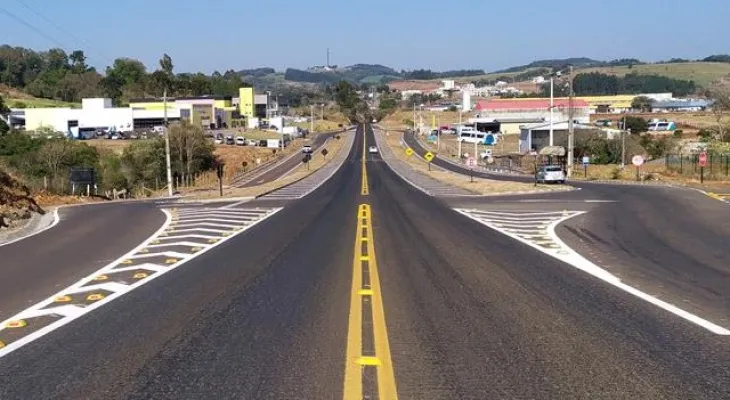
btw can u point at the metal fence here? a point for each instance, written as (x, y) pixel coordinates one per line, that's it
(718, 165)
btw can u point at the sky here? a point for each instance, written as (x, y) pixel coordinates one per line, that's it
(403, 34)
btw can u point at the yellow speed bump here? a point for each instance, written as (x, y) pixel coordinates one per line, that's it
(196, 249)
(95, 297)
(409, 151)
(62, 299)
(171, 261)
(213, 240)
(18, 323)
(145, 250)
(2, 344)
(155, 242)
(140, 275)
(365, 292)
(127, 262)
(101, 278)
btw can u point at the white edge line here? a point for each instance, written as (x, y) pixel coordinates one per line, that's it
(56, 220)
(65, 320)
(578, 261)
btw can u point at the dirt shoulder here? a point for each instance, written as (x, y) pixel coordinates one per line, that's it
(476, 184)
(333, 146)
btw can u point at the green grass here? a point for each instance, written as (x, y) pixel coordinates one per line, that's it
(260, 135)
(37, 103)
(702, 73)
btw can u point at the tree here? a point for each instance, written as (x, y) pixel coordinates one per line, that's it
(636, 124)
(720, 108)
(190, 149)
(4, 111)
(642, 103)
(78, 62)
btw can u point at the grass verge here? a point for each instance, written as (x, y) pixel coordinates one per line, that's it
(479, 185)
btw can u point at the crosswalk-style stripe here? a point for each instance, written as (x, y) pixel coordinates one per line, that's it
(165, 250)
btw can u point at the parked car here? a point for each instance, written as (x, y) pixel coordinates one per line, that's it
(240, 141)
(218, 139)
(251, 142)
(550, 173)
(229, 140)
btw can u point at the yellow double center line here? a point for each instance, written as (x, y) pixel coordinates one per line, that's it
(364, 356)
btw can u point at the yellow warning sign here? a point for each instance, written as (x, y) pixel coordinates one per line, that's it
(428, 156)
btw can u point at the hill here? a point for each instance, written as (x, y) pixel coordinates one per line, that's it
(16, 204)
(703, 72)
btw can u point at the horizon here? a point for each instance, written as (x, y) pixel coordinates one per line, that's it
(300, 37)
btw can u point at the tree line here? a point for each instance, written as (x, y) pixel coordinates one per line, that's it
(44, 163)
(55, 74)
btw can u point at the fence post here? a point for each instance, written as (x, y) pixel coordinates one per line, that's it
(681, 158)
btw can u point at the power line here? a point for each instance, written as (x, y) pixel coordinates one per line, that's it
(60, 28)
(33, 28)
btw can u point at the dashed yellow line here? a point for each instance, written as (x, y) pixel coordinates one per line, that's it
(355, 359)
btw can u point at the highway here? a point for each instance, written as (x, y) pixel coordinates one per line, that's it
(368, 288)
(280, 169)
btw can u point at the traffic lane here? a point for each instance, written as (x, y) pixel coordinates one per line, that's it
(673, 245)
(86, 238)
(473, 314)
(262, 316)
(290, 163)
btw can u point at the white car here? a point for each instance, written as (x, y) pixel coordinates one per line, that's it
(372, 150)
(550, 173)
(240, 141)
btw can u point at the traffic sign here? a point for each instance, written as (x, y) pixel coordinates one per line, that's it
(703, 159)
(586, 160)
(409, 151)
(637, 160)
(428, 156)
(471, 162)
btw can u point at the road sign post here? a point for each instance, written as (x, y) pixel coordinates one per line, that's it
(429, 157)
(702, 161)
(219, 172)
(637, 160)
(472, 163)
(586, 160)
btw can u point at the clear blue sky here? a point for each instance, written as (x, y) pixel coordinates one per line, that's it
(404, 34)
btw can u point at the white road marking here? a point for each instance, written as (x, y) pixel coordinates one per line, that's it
(56, 220)
(108, 290)
(558, 249)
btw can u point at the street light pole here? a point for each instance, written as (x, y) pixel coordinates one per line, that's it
(552, 105)
(167, 145)
(311, 119)
(571, 127)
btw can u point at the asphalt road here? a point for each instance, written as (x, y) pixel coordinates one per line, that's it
(287, 165)
(669, 240)
(85, 239)
(470, 314)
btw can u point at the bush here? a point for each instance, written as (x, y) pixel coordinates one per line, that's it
(678, 133)
(615, 173)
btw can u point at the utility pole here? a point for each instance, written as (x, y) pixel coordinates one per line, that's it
(311, 119)
(571, 128)
(623, 144)
(167, 145)
(414, 117)
(552, 105)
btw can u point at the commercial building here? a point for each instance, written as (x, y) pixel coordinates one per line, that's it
(98, 113)
(509, 115)
(95, 113)
(534, 137)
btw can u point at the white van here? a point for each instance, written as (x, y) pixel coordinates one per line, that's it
(471, 136)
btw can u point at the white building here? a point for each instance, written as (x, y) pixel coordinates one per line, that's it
(95, 113)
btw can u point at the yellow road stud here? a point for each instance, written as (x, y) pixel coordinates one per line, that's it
(95, 297)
